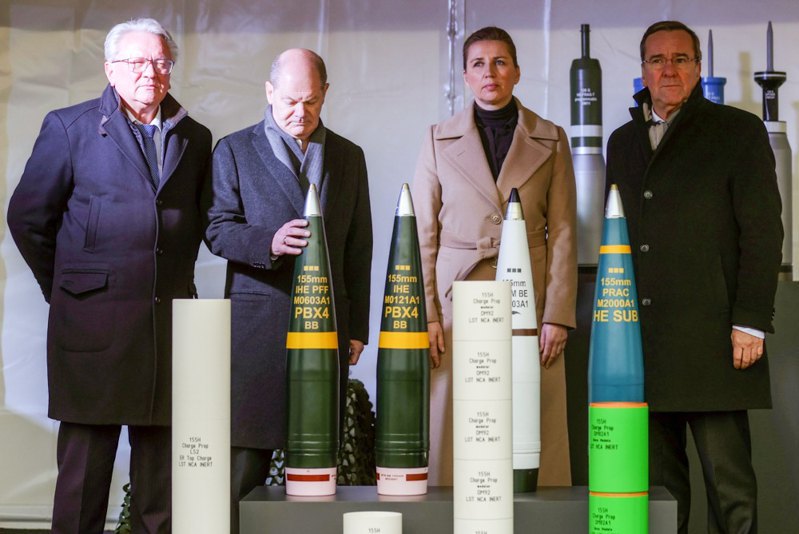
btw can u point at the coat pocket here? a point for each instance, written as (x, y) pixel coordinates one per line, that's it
(83, 313)
(77, 282)
(92, 223)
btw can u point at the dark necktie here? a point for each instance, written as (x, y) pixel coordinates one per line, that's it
(150, 152)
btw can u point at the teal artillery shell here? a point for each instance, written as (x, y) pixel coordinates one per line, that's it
(615, 356)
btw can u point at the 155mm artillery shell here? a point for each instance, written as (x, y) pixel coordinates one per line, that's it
(403, 370)
(313, 367)
(513, 265)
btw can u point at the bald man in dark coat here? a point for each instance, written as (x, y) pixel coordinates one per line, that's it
(260, 179)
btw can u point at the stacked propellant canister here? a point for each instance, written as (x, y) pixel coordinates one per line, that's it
(586, 142)
(770, 80)
(712, 86)
(402, 437)
(513, 265)
(618, 455)
(482, 411)
(313, 367)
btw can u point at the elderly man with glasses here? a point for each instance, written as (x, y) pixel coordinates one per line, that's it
(700, 194)
(107, 215)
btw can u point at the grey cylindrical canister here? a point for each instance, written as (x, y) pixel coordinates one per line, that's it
(586, 142)
(782, 154)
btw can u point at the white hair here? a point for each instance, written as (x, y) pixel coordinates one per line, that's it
(137, 25)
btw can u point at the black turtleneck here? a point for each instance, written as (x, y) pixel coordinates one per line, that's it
(496, 128)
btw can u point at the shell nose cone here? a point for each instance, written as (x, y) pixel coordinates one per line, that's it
(614, 208)
(312, 208)
(405, 203)
(514, 211)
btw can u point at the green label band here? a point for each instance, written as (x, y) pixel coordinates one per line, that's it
(625, 514)
(618, 447)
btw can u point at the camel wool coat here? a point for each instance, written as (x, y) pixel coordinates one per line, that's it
(459, 211)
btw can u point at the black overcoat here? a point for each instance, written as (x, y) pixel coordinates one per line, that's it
(703, 213)
(110, 253)
(254, 194)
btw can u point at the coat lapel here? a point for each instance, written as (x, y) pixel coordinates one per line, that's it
(331, 184)
(467, 156)
(116, 127)
(274, 167)
(174, 142)
(527, 153)
(174, 151)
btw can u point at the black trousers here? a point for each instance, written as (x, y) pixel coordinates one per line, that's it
(723, 443)
(85, 457)
(248, 470)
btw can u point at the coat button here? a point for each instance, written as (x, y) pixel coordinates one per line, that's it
(496, 219)
(648, 194)
(158, 300)
(644, 248)
(159, 251)
(646, 302)
(159, 202)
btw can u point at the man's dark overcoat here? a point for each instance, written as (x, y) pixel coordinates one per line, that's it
(110, 252)
(254, 194)
(703, 211)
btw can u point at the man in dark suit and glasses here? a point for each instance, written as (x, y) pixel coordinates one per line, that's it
(107, 215)
(260, 178)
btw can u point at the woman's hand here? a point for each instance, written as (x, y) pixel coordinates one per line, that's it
(552, 342)
(437, 348)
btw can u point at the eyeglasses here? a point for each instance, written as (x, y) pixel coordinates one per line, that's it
(679, 62)
(139, 64)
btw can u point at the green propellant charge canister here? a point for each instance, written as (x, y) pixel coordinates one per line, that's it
(312, 367)
(618, 447)
(620, 513)
(403, 370)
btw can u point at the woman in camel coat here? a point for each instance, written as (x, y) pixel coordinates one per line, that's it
(466, 170)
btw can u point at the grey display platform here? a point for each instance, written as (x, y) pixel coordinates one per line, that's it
(267, 510)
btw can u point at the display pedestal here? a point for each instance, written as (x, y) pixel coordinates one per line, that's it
(562, 510)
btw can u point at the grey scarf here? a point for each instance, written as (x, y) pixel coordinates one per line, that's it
(308, 168)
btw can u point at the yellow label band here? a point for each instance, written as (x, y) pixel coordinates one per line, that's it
(614, 249)
(312, 340)
(404, 340)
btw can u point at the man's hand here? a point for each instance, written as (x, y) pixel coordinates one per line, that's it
(746, 349)
(552, 342)
(290, 238)
(437, 347)
(356, 348)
